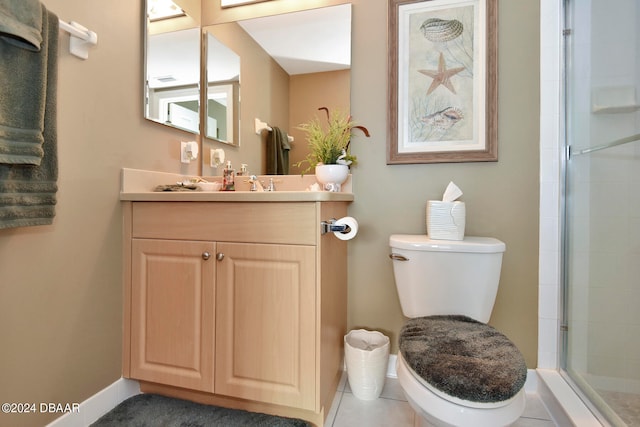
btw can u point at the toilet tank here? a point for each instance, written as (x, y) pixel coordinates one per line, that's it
(446, 276)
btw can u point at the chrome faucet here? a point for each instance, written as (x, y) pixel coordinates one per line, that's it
(271, 186)
(255, 184)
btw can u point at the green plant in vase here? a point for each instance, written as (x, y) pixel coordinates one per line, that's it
(329, 143)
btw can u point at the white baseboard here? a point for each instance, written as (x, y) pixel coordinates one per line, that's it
(531, 384)
(391, 367)
(99, 404)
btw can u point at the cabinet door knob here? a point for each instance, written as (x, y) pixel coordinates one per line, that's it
(206, 255)
(220, 256)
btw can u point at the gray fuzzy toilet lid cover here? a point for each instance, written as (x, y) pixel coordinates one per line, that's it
(463, 358)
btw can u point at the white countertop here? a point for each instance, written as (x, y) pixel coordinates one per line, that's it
(237, 196)
(139, 185)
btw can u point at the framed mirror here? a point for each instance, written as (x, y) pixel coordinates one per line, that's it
(172, 64)
(222, 92)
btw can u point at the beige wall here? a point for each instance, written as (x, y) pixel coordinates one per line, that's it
(60, 285)
(501, 198)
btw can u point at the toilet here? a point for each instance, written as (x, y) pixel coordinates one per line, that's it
(454, 369)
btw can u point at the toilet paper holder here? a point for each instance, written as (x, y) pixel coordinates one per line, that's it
(331, 227)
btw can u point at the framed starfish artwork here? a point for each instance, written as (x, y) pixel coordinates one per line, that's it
(443, 91)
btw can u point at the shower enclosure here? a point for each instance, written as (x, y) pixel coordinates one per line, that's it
(601, 265)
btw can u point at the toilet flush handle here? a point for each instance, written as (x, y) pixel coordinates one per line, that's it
(397, 257)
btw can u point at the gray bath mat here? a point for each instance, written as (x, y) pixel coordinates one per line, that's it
(463, 358)
(151, 410)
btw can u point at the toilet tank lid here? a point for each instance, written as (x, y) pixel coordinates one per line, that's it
(422, 242)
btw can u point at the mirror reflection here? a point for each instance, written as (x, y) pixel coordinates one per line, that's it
(172, 66)
(291, 64)
(284, 66)
(223, 92)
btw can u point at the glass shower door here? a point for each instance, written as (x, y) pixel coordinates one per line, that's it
(601, 349)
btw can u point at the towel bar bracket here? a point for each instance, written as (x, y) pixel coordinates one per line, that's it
(80, 38)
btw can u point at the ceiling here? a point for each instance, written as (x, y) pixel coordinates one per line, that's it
(308, 41)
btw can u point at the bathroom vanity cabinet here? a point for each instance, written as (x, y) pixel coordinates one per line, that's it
(238, 304)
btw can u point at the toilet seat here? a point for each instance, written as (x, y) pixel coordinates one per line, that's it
(441, 411)
(453, 399)
(463, 360)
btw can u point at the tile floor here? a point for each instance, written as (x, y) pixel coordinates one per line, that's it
(392, 409)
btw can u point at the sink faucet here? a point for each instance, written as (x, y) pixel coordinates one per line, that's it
(255, 184)
(271, 186)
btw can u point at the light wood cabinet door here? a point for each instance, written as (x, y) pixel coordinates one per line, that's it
(266, 323)
(173, 312)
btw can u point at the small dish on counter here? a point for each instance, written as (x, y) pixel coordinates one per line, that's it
(209, 186)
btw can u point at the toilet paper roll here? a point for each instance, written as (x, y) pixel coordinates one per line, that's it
(353, 225)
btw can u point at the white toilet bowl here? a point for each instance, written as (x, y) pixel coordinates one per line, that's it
(447, 289)
(446, 410)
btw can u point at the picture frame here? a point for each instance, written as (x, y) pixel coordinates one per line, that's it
(443, 91)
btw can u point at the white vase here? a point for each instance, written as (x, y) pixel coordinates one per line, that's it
(332, 176)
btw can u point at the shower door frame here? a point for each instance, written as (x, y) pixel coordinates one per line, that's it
(580, 386)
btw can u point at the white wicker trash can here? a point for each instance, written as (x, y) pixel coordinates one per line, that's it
(366, 357)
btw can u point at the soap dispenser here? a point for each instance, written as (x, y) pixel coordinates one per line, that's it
(228, 178)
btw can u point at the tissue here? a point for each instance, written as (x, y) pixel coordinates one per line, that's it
(451, 193)
(353, 228)
(446, 219)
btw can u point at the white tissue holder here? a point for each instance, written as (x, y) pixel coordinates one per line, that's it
(445, 220)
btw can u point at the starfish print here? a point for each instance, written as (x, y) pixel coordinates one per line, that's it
(441, 76)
